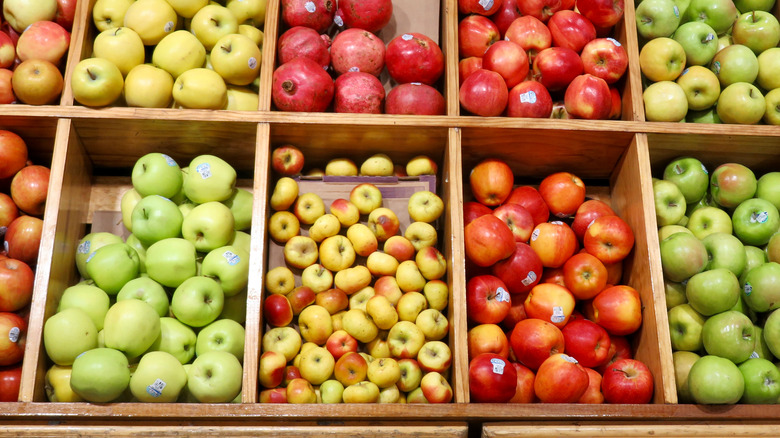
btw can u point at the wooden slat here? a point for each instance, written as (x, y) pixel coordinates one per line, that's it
(497, 430)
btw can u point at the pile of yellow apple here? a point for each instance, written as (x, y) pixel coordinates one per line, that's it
(365, 322)
(163, 53)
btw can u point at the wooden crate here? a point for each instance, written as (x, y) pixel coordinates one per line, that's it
(621, 429)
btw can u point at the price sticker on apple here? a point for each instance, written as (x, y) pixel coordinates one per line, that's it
(156, 388)
(557, 315)
(614, 41)
(535, 234)
(171, 162)
(748, 289)
(759, 218)
(498, 366)
(231, 257)
(529, 279)
(569, 359)
(84, 247)
(528, 97)
(204, 170)
(13, 334)
(502, 295)
(169, 26)
(310, 7)
(486, 4)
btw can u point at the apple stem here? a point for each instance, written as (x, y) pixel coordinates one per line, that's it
(91, 75)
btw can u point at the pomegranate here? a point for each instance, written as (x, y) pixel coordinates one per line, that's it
(301, 85)
(358, 92)
(316, 14)
(415, 99)
(357, 50)
(305, 42)
(484, 93)
(371, 15)
(413, 57)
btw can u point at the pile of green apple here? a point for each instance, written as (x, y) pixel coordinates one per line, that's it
(354, 312)
(720, 248)
(710, 61)
(158, 316)
(188, 54)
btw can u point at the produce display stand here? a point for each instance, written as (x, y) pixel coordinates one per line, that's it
(91, 152)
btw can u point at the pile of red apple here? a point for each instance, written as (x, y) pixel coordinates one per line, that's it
(355, 313)
(34, 39)
(540, 58)
(719, 238)
(324, 41)
(23, 190)
(548, 321)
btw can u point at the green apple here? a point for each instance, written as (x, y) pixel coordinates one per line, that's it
(187, 8)
(709, 115)
(120, 45)
(699, 41)
(691, 177)
(215, 377)
(674, 294)
(235, 307)
(140, 249)
(668, 230)
(67, 334)
(742, 103)
(152, 19)
(229, 265)
(209, 226)
(772, 332)
(178, 52)
(754, 257)
(209, 178)
(88, 245)
(708, 220)
(683, 361)
(665, 101)
(89, 298)
(755, 221)
(685, 327)
(758, 30)
(754, 5)
(171, 261)
(725, 251)
(176, 338)
(147, 86)
(130, 198)
(100, 375)
(211, 23)
(157, 174)
(148, 290)
(682, 256)
(662, 59)
(669, 202)
(762, 287)
(200, 88)
(221, 335)
(657, 18)
(96, 82)
(113, 265)
(242, 240)
(197, 301)
(772, 112)
(713, 291)
(735, 63)
(719, 14)
(131, 326)
(159, 378)
(762, 381)
(240, 203)
(701, 87)
(768, 187)
(743, 308)
(236, 58)
(762, 349)
(729, 335)
(715, 380)
(768, 65)
(155, 218)
(331, 391)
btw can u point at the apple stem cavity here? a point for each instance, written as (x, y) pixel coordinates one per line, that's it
(91, 75)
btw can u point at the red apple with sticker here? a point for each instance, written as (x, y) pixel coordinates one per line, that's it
(521, 271)
(480, 7)
(554, 242)
(487, 299)
(529, 99)
(492, 379)
(560, 379)
(587, 342)
(13, 338)
(563, 192)
(530, 198)
(605, 58)
(550, 302)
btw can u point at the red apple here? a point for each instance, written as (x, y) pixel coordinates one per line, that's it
(300, 297)
(518, 219)
(473, 210)
(340, 342)
(492, 379)
(504, 17)
(480, 7)
(7, 51)
(529, 197)
(571, 30)
(609, 238)
(521, 271)
(273, 395)
(532, 35)
(587, 342)
(291, 372)
(556, 67)
(484, 93)
(487, 338)
(550, 302)
(10, 381)
(491, 181)
(13, 154)
(586, 213)
(487, 299)
(13, 334)
(529, 99)
(45, 40)
(588, 97)
(467, 66)
(584, 275)
(277, 310)
(560, 379)
(627, 381)
(8, 210)
(554, 242)
(602, 13)
(287, 160)
(475, 34)
(415, 99)
(534, 340)
(23, 239)
(593, 394)
(16, 285)
(540, 9)
(414, 57)
(6, 87)
(487, 240)
(524, 393)
(563, 192)
(516, 313)
(507, 59)
(66, 12)
(554, 276)
(619, 348)
(29, 188)
(617, 308)
(617, 104)
(605, 58)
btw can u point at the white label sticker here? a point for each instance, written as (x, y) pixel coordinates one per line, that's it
(232, 258)
(407, 36)
(156, 388)
(614, 41)
(556, 223)
(486, 4)
(709, 37)
(754, 355)
(5, 246)
(204, 170)
(704, 169)
(88, 258)
(171, 162)
(528, 97)
(338, 20)
(416, 83)
(252, 62)
(13, 334)
(557, 315)
(535, 234)
(569, 359)
(716, 67)
(354, 69)
(169, 26)
(760, 217)
(498, 366)
(84, 247)
(591, 223)
(748, 289)
(529, 279)
(310, 7)
(502, 295)
(676, 11)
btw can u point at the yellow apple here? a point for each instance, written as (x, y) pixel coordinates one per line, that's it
(284, 194)
(253, 33)
(241, 99)
(37, 82)
(341, 167)
(283, 225)
(315, 324)
(96, 82)
(352, 279)
(308, 207)
(147, 86)
(178, 52)
(300, 252)
(236, 58)
(279, 280)
(359, 299)
(409, 277)
(317, 277)
(187, 8)
(382, 311)
(359, 325)
(107, 14)
(336, 253)
(377, 165)
(200, 88)
(410, 305)
(421, 234)
(345, 211)
(363, 240)
(325, 226)
(380, 263)
(248, 11)
(211, 23)
(120, 45)
(437, 293)
(151, 19)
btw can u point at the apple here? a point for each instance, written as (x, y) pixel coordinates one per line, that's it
(100, 375)
(554, 242)
(73, 323)
(197, 301)
(720, 15)
(10, 383)
(16, 285)
(682, 256)
(685, 327)
(492, 379)
(563, 192)
(730, 335)
(488, 240)
(627, 381)
(215, 377)
(690, 176)
(487, 299)
(534, 340)
(584, 275)
(560, 379)
(178, 52)
(151, 19)
(529, 197)
(366, 197)
(521, 271)
(767, 62)
(200, 88)
(762, 381)
(147, 290)
(726, 251)
(657, 18)
(131, 326)
(609, 238)
(44, 40)
(96, 82)
(586, 213)
(732, 183)
(509, 60)
(159, 377)
(735, 63)
(37, 82)
(13, 151)
(484, 93)
(171, 261)
(571, 30)
(491, 181)
(758, 287)
(709, 220)
(683, 361)
(715, 380)
(529, 99)
(603, 14)
(605, 58)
